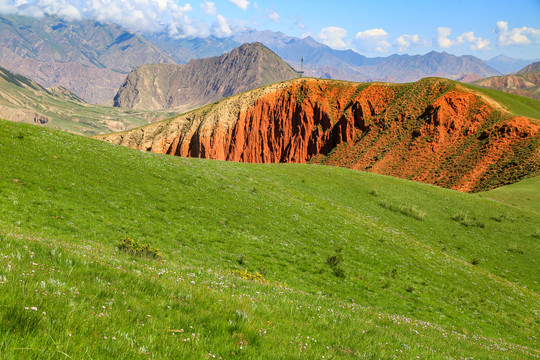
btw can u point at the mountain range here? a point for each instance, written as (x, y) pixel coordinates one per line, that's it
(322, 61)
(92, 59)
(89, 58)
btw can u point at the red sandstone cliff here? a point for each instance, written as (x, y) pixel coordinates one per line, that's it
(432, 131)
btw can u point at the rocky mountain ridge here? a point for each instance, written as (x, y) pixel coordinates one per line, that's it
(434, 131)
(202, 81)
(530, 68)
(89, 58)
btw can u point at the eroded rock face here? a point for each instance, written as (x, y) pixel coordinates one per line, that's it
(23, 115)
(431, 131)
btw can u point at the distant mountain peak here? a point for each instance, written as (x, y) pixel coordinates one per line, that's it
(502, 57)
(202, 81)
(506, 64)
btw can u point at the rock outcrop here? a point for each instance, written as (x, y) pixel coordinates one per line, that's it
(22, 115)
(202, 81)
(434, 131)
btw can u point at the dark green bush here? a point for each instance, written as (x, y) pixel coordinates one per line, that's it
(134, 247)
(334, 260)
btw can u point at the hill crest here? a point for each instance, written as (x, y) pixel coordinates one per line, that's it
(530, 68)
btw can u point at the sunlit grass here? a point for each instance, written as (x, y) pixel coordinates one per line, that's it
(245, 270)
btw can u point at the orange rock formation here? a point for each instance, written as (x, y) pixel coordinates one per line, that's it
(432, 131)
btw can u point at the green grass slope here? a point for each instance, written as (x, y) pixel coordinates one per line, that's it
(259, 261)
(18, 92)
(524, 194)
(518, 105)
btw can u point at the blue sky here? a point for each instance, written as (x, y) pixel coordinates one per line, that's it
(373, 28)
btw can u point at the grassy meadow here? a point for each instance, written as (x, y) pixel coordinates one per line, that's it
(259, 261)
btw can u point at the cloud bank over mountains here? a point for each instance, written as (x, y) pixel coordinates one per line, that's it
(137, 15)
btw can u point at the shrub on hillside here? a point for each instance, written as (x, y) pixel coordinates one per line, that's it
(468, 220)
(334, 260)
(134, 247)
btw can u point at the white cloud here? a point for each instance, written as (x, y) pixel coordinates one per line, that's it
(61, 8)
(372, 34)
(373, 40)
(6, 8)
(242, 4)
(187, 29)
(209, 8)
(333, 37)
(221, 28)
(272, 15)
(516, 36)
(476, 43)
(29, 10)
(442, 37)
(135, 15)
(405, 41)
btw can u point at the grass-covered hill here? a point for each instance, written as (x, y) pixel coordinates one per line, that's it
(524, 194)
(23, 100)
(259, 261)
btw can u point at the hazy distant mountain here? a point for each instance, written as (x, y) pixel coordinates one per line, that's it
(184, 50)
(202, 81)
(87, 57)
(507, 64)
(407, 68)
(323, 61)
